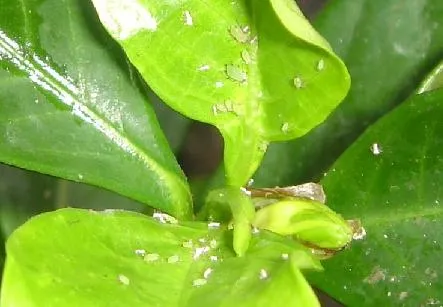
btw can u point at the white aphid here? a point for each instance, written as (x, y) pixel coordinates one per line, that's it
(235, 73)
(263, 274)
(173, 259)
(151, 257)
(207, 272)
(188, 18)
(123, 279)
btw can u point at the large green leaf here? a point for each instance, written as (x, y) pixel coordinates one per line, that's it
(388, 48)
(255, 69)
(75, 257)
(70, 106)
(391, 178)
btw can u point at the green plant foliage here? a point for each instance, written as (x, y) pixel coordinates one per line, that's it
(391, 178)
(255, 69)
(128, 259)
(388, 49)
(70, 106)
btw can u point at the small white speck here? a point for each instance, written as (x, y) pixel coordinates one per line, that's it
(285, 127)
(245, 191)
(123, 279)
(207, 272)
(359, 235)
(213, 258)
(204, 67)
(200, 251)
(376, 149)
(298, 83)
(199, 282)
(80, 176)
(173, 259)
(263, 274)
(255, 230)
(140, 252)
(250, 182)
(213, 225)
(320, 65)
(151, 257)
(36, 100)
(164, 218)
(285, 256)
(188, 18)
(219, 84)
(389, 293)
(385, 236)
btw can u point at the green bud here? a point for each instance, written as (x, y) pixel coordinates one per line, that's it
(309, 221)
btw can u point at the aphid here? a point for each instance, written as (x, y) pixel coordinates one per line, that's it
(285, 127)
(187, 18)
(235, 73)
(123, 279)
(263, 274)
(173, 259)
(207, 272)
(151, 257)
(226, 106)
(320, 65)
(239, 34)
(246, 57)
(298, 82)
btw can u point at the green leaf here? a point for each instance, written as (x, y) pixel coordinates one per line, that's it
(70, 106)
(391, 179)
(388, 50)
(121, 258)
(255, 69)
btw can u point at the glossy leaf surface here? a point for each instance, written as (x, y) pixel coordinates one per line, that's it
(391, 178)
(70, 106)
(255, 69)
(127, 259)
